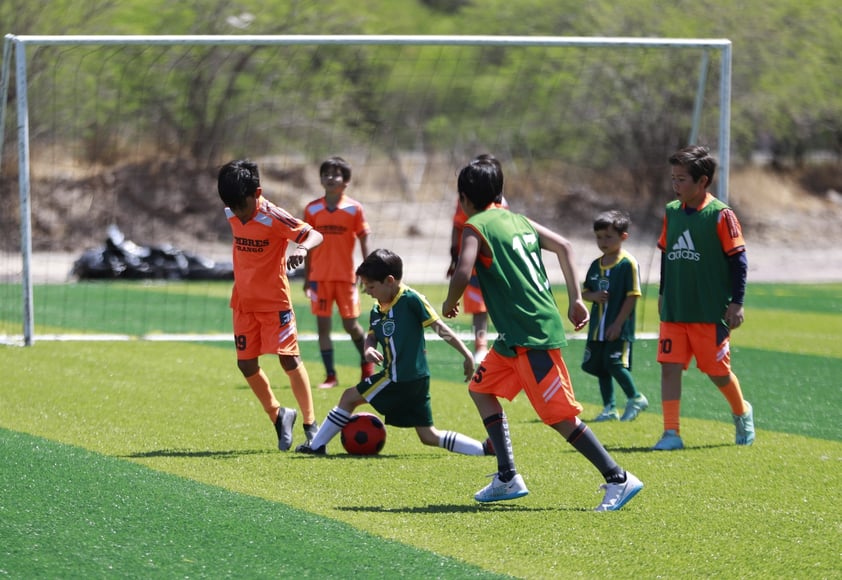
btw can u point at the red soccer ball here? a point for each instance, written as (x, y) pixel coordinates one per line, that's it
(365, 434)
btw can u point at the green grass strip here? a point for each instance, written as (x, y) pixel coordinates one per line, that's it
(70, 513)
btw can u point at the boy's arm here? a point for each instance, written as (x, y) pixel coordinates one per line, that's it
(370, 349)
(364, 245)
(462, 273)
(298, 255)
(447, 334)
(616, 327)
(455, 234)
(577, 311)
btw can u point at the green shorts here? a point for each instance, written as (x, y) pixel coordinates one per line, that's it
(601, 356)
(402, 404)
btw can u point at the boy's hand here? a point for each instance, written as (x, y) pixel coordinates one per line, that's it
(578, 314)
(296, 258)
(734, 315)
(468, 367)
(450, 310)
(373, 355)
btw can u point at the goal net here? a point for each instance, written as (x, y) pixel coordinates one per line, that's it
(116, 141)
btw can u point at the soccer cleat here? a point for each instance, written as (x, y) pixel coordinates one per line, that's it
(488, 447)
(330, 382)
(618, 494)
(283, 426)
(608, 414)
(306, 449)
(745, 426)
(479, 355)
(634, 407)
(310, 431)
(670, 441)
(366, 370)
(501, 490)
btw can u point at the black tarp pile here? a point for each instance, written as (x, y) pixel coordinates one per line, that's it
(123, 259)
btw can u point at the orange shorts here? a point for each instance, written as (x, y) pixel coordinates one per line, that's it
(542, 374)
(473, 302)
(257, 333)
(344, 294)
(678, 342)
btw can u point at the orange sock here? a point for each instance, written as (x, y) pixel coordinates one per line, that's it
(260, 386)
(734, 395)
(672, 410)
(299, 382)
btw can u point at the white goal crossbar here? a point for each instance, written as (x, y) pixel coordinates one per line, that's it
(18, 44)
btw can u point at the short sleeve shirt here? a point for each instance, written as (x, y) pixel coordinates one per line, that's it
(259, 257)
(399, 330)
(333, 259)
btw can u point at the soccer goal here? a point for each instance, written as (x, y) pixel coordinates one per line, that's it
(117, 139)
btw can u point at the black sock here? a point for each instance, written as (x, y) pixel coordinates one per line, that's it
(615, 476)
(498, 431)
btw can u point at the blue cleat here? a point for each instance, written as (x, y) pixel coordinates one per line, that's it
(502, 490)
(745, 426)
(618, 494)
(670, 441)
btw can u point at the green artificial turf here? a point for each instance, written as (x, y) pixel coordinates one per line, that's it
(153, 459)
(73, 513)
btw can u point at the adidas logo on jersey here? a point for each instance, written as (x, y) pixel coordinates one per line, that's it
(684, 249)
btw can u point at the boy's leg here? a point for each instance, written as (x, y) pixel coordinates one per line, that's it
(323, 326)
(594, 363)
(348, 303)
(262, 389)
(620, 367)
(336, 419)
(713, 354)
(474, 304)
(606, 391)
(357, 334)
(452, 441)
(674, 354)
(299, 382)
(497, 377)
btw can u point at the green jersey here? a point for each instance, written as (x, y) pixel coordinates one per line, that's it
(621, 279)
(696, 245)
(399, 329)
(514, 283)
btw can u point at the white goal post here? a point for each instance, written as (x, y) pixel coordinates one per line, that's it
(17, 46)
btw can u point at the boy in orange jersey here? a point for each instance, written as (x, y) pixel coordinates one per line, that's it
(472, 301)
(264, 322)
(329, 273)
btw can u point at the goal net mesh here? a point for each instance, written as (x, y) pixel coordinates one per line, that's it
(130, 136)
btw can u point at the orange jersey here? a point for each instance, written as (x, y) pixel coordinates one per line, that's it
(460, 217)
(260, 246)
(333, 260)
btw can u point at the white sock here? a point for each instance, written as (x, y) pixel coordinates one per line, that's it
(458, 443)
(333, 423)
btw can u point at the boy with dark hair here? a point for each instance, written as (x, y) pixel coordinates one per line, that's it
(472, 301)
(703, 282)
(264, 322)
(505, 247)
(612, 284)
(401, 391)
(329, 272)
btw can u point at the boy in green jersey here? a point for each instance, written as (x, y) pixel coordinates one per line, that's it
(703, 281)
(505, 247)
(612, 285)
(401, 391)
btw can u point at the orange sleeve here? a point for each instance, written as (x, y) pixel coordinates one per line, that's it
(730, 232)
